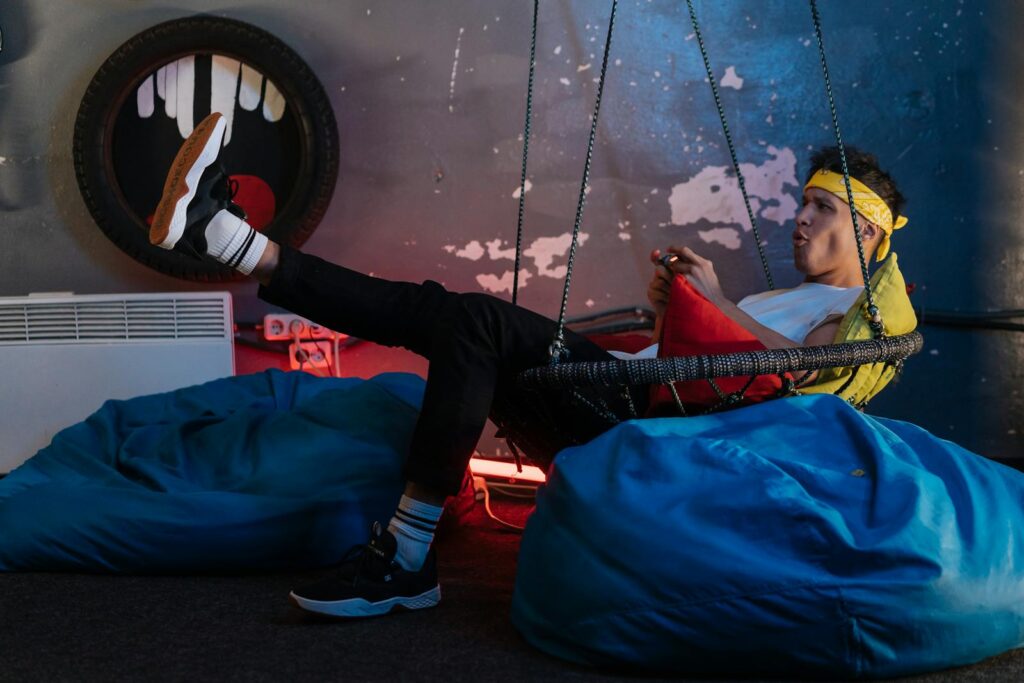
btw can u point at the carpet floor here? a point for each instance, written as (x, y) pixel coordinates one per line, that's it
(72, 627)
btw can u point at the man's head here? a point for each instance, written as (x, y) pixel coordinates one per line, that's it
(823, 240)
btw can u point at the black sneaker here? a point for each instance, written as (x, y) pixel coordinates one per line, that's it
(371, 583)
(196, 189)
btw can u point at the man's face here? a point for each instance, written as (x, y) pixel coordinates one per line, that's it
(823, 239)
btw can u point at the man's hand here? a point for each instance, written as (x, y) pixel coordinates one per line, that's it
(660, 285)
(698, 270)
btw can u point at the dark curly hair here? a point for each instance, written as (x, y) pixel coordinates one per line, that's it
(864, 167)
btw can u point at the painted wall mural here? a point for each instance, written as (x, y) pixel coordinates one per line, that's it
(233, 85)
(430, 109)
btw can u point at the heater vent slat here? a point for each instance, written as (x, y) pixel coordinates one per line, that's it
(93, 319)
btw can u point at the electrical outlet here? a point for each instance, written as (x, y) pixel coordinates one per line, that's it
(310, 355)
(274, 328)
(320, 332)
(284, 326)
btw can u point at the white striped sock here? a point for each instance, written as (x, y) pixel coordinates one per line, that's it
(231, 240)
(413, 527)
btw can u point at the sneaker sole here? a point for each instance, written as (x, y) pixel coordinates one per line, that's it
(196, 153)
(358, 607)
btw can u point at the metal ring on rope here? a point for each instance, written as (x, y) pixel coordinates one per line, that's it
(740, 364)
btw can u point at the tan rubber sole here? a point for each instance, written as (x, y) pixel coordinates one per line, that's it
(175, 187)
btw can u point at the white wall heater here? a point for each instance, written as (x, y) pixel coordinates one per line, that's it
(62, 356)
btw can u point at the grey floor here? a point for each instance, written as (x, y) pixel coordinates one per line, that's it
(71, 627)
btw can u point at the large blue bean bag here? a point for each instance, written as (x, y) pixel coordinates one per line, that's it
(795, 537)
(266, 471)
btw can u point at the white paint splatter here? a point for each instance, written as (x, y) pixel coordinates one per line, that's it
(495, 252)
(496, 285)
(494, 149)
(589, 303)
(727, 237)
(563, 81)
(455, 70)
(3, 160)
(625, 236)
(731, 80)
(713, 194)
(558, 49)
(582, 67)
(545, 250)
(518, 190)
(542, 252)
(474, 251)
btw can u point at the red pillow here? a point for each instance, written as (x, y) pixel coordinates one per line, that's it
(629, 343)
(694, 326)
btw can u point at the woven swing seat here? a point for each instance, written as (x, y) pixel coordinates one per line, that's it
(855, 367)
(844, 356)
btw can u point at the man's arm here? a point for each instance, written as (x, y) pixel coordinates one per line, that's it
(766, 335)
(701, 274)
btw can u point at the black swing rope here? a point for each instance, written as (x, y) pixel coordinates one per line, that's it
(875, 317)
(526, 150)
(558, 344)
(728, 140)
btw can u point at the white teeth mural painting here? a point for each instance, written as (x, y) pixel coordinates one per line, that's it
(231, 84)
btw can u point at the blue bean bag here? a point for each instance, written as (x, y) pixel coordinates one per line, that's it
(797, 537)
(258, 472)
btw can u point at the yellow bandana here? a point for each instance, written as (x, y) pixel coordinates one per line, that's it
(868, 204)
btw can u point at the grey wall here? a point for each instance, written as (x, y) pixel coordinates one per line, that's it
(430, 162)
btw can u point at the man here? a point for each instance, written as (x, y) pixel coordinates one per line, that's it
(476, 345)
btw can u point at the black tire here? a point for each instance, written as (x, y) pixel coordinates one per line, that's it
(311, 126)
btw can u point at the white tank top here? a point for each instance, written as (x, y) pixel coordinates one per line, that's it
(793, 313)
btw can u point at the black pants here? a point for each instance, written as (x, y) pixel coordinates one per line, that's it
(475, 343)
